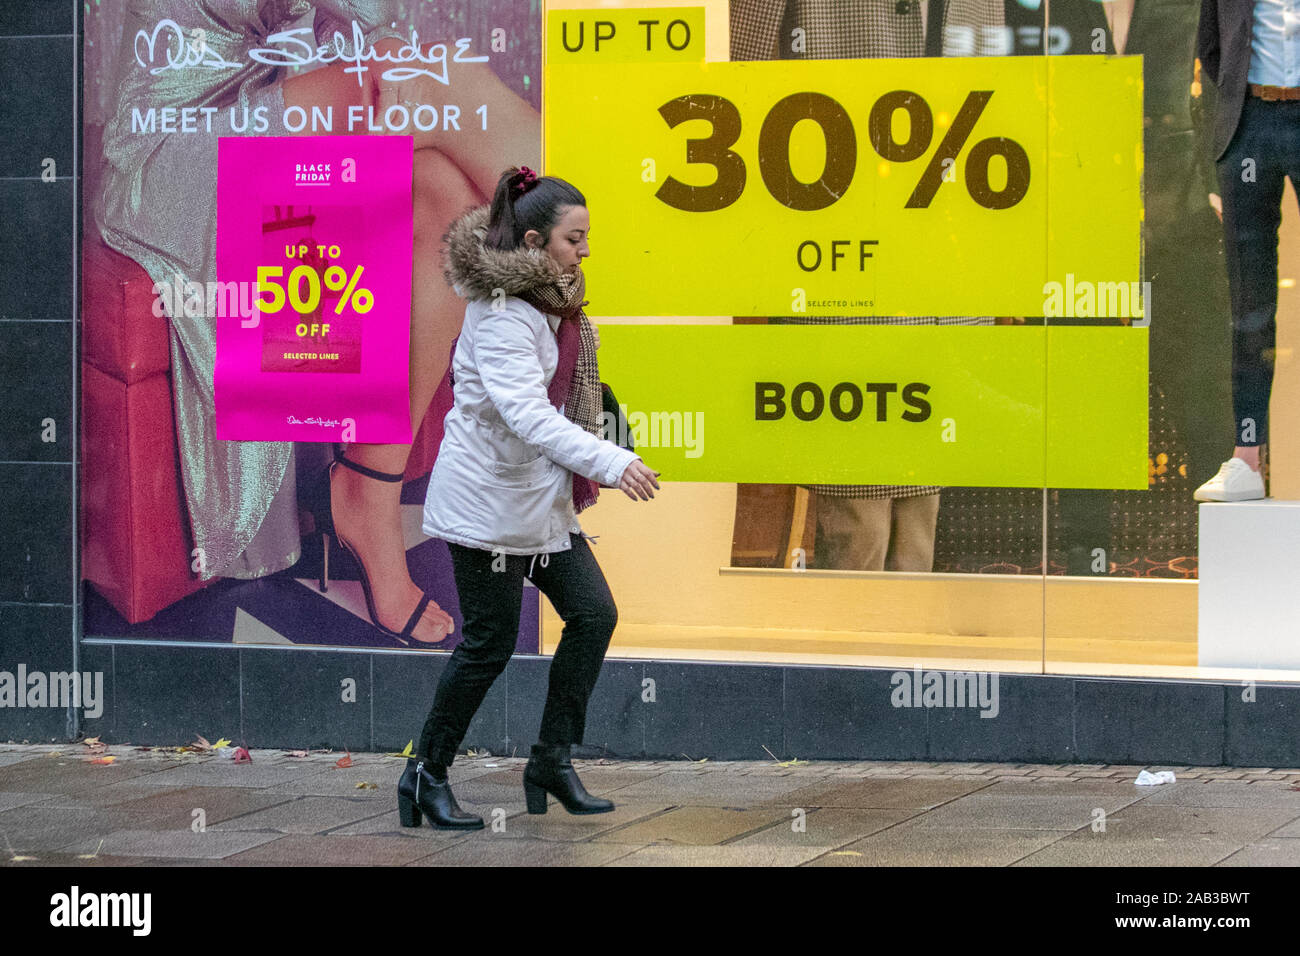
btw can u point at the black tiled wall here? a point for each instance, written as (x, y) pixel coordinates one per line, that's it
(39, 186)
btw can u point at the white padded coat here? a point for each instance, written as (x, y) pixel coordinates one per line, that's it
(502, 480)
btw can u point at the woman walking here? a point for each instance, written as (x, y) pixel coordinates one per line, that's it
(519, 459)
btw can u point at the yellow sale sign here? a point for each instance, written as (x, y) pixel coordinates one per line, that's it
(960, 186)
(1004, 406)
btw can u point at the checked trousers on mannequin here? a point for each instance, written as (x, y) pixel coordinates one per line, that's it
(490, 601)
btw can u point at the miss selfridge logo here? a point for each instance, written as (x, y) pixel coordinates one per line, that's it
(56, 689)
(75, 908)
(945, 689)
(169, 46)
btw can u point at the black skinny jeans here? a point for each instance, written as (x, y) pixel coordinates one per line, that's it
(490, 602)
(1252, 174)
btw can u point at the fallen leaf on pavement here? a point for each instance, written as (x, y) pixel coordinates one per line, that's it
(367, 786)
(242, 755)
(344, 762)
(408, 752)
(295, 753)
(103, 760)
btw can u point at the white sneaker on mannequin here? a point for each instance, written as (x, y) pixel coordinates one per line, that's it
(1236, 481)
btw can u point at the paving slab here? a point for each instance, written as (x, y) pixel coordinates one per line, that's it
(874, 793)
(74, 774)
(713, 788)
(1268, 852)
(183, 844)
(96, 861)
(384, 772)
(224, 772)
(826, 827)
(1068, 786)
(907, 845)
(105, 797)
(32, 828)
(1024, 811)
(1146, 835)
(9, 759)
(700, 826)
(730, 855)
(387, 823)
(9, 800)
(490, 849)
(307, 814)
(557, 824)
(608, 782)
(312, 850)
(175, 809)
(1264, 795)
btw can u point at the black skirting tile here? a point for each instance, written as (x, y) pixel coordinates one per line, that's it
(1261, 725)
(97, 660)
(1147, 722)
(1030, 720)
(616, 714)
(34, 639)
(170, 695)
(301, 700)
(850, 713)
(719, 711)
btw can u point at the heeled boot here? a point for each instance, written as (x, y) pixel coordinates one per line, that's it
(550, 770)
(423, 791)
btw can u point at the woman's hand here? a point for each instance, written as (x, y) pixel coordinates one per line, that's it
(638, 481)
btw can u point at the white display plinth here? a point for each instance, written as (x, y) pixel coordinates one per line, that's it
(1249, 591)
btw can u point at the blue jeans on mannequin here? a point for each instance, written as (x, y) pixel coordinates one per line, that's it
(490, 601)
(1264, 152)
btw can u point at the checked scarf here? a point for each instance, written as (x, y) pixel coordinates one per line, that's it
(576, 383)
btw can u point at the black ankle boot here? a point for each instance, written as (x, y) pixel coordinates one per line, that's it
(424, 791)
(550, 770)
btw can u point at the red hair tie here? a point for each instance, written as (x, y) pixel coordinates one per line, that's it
(525, 180)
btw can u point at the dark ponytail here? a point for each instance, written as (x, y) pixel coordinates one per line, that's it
(523, 201)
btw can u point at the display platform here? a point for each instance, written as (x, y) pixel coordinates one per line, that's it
(1249, 602)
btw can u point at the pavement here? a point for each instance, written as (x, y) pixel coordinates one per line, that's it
(87, 805)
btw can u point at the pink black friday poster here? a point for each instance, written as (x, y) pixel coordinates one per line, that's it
(321, 228)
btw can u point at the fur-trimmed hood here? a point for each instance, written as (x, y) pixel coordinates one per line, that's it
(476, 272)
